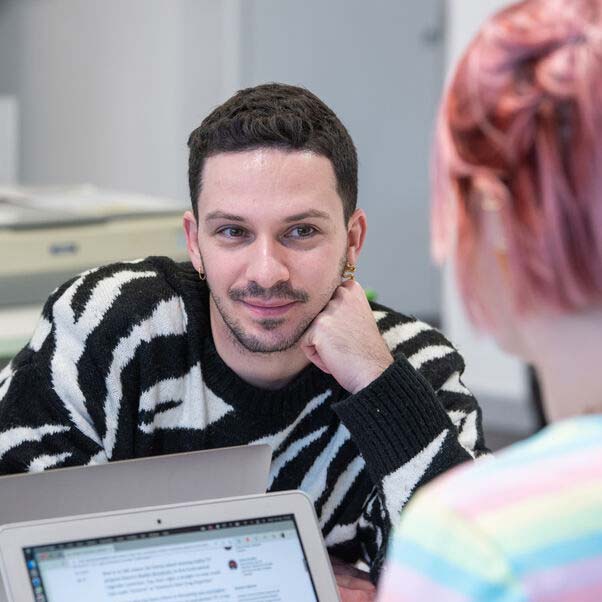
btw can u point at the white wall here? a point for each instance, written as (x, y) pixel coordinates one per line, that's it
(498, 379)
(109, 90)
(9, 143)
(9, 126)
(379, 66)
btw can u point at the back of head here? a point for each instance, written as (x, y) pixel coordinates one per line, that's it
(275, 116)
(520, 133)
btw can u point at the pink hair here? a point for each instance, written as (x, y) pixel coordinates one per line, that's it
(520, 126)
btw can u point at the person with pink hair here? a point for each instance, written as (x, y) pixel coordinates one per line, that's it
(518, 202)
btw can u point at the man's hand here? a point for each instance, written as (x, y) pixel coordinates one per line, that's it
(354, 585)
(343, 340)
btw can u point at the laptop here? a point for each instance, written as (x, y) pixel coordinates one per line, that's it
(158, 480)
(265, 548)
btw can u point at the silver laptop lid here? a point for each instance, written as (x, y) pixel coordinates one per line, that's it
(158, 480)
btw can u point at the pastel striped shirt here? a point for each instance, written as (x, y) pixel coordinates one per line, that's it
(525, 525)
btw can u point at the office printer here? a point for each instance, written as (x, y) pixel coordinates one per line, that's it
(47, 235)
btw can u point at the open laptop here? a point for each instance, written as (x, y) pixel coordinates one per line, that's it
(264, 548)
(158, 480)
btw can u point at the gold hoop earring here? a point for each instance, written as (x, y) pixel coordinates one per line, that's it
(349, 271)
(202, 276)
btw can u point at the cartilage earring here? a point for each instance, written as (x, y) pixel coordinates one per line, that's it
(349, 271)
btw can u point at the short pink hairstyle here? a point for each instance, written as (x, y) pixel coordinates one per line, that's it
(520, 126)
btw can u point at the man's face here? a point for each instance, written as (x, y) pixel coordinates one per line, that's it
(272, 242)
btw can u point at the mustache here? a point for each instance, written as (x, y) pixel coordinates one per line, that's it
(282, 290)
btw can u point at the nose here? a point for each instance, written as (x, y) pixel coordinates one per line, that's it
(267, 264)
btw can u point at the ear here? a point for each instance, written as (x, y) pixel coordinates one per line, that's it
(191, 232)
(356, 234)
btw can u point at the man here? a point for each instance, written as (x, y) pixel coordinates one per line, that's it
(263, 337)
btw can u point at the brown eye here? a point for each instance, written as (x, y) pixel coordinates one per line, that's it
(301, 232)
(232, 232)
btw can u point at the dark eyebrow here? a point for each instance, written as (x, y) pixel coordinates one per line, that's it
(232, 217)
(221, 215)
(311, 213)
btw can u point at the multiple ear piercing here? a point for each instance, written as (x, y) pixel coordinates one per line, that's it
(349, 271)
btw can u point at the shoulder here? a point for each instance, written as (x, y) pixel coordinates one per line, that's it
(491, 524)
(422, 344)
(142, 281)
(116, 296)
(569, 450)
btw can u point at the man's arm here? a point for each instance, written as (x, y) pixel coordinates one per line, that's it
(407, 438)
(412, 421)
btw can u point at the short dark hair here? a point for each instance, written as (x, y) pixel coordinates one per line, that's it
(275, 116)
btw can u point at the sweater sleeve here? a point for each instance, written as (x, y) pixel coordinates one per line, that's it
(64, 398)
(414, 422)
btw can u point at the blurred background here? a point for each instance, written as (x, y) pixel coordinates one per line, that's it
(97, 99)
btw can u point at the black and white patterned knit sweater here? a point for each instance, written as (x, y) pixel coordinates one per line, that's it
(122, 365)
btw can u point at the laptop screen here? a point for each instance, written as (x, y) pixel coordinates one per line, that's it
(256, 560)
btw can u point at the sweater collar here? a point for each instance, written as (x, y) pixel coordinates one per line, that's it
(289, 400)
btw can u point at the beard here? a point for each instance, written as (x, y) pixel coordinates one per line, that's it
(282, 290)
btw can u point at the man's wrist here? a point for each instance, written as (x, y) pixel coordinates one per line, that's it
(372, 372)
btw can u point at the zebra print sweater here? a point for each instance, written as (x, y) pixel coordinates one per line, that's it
(122, 365)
